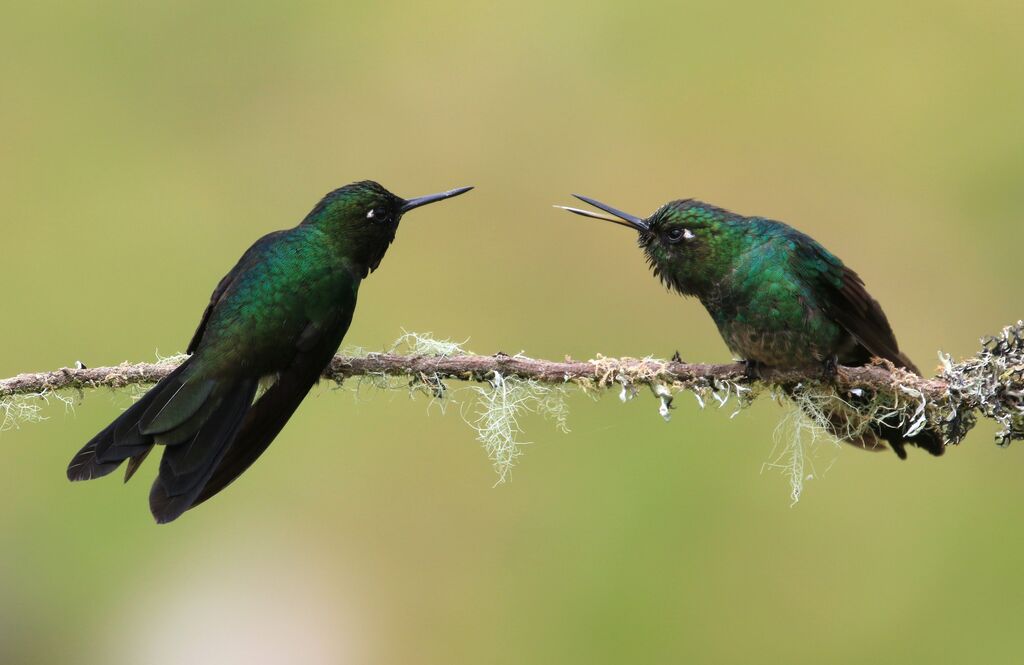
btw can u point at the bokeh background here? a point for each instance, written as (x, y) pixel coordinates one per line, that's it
(145, 145)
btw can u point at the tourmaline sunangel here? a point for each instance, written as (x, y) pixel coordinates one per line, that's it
(276, 320)
(777, 296)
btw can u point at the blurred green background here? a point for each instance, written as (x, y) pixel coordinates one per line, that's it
(145, 145)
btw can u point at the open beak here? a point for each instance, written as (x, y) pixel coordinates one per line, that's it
(621, 218)
(432, 198)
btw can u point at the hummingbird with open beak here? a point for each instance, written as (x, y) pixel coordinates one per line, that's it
(778, 297)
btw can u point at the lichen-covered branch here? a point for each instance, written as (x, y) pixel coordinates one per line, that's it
(990, 383)
(599, 373)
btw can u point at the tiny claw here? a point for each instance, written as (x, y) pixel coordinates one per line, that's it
(751, 369)
(676, 358)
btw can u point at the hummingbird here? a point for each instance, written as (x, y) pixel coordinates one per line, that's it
(272, 325)
(778, 297)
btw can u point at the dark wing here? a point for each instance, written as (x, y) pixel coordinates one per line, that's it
(123, 439)
(272, 410)
(204, 416)
(251, 255)
(849, 303)
(187, 466)
(863, 317)
(222, 286)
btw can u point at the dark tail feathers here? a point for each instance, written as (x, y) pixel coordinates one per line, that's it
(841, 421)
(195, 418)
(926, 439)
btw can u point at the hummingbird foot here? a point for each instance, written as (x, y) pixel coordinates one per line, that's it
(751, 369)
(830, 369)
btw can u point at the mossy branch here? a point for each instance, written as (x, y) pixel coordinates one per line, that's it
(990, 383)
(598, 373)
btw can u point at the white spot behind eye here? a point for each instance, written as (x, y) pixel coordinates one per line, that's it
(688, 234)
(369, 215)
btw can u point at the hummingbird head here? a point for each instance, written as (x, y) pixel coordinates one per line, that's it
(362, 219)
(689, 245)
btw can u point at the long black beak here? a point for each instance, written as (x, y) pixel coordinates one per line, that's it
(431, 198)
(621, 218)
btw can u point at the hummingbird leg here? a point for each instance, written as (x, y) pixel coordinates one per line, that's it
(830, 369)
(676, 358)
(751, 369)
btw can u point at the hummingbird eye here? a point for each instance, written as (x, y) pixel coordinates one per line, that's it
(379, 215)
(677, 234)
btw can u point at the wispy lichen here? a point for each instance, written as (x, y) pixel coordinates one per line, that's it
(173, 359)
(424, 344)
(499, 407)
(18, 410)
(798, 440)
(412, 344)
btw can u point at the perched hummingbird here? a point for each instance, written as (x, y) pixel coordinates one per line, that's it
(777, 296)
(275, 320)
